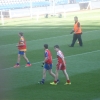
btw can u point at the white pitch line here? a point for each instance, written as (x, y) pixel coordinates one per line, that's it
(48, 38)
(56, 58)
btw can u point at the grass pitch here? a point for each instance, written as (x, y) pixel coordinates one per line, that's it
(83, 63)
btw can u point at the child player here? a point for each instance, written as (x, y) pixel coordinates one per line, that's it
(47, 64)
(22, 51)
(61, 65)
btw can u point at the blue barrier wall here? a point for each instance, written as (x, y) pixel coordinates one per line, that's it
(34, 4)
(24, 5)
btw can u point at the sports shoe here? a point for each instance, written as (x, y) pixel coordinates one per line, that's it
(58, 81)
(16, 66)
(53, 83)
(41, 82)
(67, 83)
(28, 65)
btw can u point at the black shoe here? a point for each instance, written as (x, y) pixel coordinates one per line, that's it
(41, 82)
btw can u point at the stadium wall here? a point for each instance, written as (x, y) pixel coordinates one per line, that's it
(50, 9)
(95, 5)
(43, 10)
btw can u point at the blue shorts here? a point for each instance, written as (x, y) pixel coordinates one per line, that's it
(21, 52)
(48, 66)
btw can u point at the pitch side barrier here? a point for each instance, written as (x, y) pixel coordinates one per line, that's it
(89, 5)
(50, 10)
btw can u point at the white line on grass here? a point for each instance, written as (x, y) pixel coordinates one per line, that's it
(56, 58)
(49, 38)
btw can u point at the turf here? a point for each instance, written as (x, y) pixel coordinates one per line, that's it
(83, 63)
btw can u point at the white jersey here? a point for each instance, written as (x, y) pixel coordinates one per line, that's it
(60, 56)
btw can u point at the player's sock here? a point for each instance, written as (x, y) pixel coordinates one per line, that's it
(55, 81)
(68, 81)
(43, 80)
(17, 63)
(28, 62)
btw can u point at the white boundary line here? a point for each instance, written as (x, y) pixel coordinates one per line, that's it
(48, 38)
(56, 58)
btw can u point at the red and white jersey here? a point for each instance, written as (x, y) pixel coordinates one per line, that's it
(60, 56)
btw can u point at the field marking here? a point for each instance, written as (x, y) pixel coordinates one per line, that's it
(32, 29)
(48, 38)
(56, 58)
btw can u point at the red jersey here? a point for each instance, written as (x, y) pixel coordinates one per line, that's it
(60, 56)
(48, 56)
(22, 41)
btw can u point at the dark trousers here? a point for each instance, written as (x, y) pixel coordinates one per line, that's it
(75, 37)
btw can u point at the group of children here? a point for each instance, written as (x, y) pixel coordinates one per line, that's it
(47, 63)
(61, 65)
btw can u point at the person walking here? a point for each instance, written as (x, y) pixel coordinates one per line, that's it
(22, 51)
(77, 33)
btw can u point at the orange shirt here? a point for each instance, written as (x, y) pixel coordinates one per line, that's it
(77, 28)
(22, 41)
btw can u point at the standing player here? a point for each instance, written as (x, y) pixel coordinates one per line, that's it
(22, 49)
(61, 65)
(77, 33)
(47, 64)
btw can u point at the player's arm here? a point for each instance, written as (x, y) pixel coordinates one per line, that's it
(46, 57)
(63, 61)
(21, 43)
(62, 57)
(72, 31)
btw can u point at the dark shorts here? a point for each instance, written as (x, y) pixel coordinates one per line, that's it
(21, 52)
(47, 66)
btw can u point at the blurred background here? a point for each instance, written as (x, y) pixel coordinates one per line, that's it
(31, 8)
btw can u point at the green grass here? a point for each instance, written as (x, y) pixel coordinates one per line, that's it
(83, 63)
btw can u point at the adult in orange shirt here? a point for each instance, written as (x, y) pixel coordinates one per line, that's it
(77, 33)
(22, 50)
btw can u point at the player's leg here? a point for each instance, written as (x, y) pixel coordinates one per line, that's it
(80, 40)
(58, 67)
(50, 70)
(57, 74)
(18, 60)
(24, 56)
(44, 73)
(51, 73)
(67, 77)
(74, 40)
(56, 78)
(44, 76)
